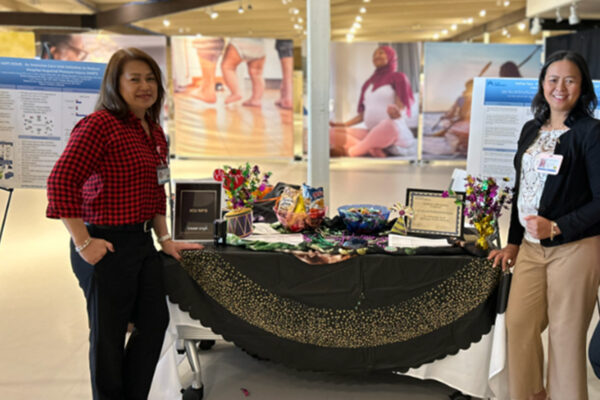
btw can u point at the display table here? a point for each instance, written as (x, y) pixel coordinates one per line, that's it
(372, 312)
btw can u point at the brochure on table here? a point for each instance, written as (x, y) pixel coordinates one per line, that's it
(500, 108)
(40, 103)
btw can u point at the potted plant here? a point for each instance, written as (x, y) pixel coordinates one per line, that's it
(243, 185)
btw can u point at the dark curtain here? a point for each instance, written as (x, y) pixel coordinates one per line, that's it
(583, 42)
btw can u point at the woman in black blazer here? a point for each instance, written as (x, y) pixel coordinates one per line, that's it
(554, 235)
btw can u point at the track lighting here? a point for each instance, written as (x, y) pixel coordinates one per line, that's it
(536, 26)
(573, 18)
(559, 17)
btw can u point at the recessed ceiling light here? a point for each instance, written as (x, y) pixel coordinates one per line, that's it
(482, 13)
(506, 3)
(359, 18)
(166, 22)
(362, 10)
(521, 26)
(349, 37)
(454, 27)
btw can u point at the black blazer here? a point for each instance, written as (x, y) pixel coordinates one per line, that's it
(572, 197)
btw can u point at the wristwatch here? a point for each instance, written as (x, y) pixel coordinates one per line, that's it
(553, 227)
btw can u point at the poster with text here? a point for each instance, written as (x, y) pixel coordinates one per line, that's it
(232, 97)
(449, 70)
(374, 100)
(40, 103)
(500, 109)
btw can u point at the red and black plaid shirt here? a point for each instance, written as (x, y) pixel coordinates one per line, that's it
(107, 173)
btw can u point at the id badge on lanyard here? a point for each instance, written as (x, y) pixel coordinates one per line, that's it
(547, 163)
(163, 174)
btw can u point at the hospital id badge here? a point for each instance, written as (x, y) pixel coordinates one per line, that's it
(163, 174)
(546, 163)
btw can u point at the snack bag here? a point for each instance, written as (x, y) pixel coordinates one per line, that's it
(288, 201)
(314, 198)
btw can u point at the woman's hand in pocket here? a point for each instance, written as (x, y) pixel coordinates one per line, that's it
(96, 250)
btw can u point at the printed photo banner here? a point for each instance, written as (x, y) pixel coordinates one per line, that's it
(449, 70)
(98, 48)
(232, 97)
(500, 109)
(374, 100)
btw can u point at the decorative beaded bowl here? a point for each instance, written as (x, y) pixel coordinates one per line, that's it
(364, 218)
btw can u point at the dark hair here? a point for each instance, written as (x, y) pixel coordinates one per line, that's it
(509, 70)
(51, 40)
(110, 99)
(587, 101)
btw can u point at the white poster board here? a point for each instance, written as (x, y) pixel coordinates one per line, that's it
(500, 108)
(40, 102)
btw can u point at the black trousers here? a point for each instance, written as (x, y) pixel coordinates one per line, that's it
(125, 286)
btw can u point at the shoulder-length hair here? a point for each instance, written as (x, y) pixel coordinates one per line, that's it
(111, 100)
(587, 102)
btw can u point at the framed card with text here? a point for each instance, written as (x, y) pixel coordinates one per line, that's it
(197, 206)
(435, 215)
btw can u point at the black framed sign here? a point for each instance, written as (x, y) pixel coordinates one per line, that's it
(197, 206)
(435, 214)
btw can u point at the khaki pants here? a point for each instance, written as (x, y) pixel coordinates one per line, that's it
(554, 287)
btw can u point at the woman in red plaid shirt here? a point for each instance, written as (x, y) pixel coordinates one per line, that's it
(107, 188)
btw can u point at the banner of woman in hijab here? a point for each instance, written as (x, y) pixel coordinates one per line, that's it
(449, 71)
(374, 99)
(232, 97)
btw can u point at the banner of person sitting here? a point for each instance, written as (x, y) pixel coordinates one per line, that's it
(222, 108)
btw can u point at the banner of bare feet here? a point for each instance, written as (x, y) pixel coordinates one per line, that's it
(449, 70)
(232, 97)
(375, 98)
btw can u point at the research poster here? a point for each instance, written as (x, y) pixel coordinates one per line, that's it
(500, 108)
(40, 103)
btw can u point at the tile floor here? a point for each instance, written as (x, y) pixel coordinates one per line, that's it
(43, 326)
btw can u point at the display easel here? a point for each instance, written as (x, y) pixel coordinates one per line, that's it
(10, 192)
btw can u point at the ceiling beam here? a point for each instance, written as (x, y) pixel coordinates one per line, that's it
(78, 21)
(134, 12)
(120, 16)
(490, 26)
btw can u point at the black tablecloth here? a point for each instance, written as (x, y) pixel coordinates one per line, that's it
(372, 312)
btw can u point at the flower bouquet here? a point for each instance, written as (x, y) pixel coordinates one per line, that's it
(485, 200)
(243, 185)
